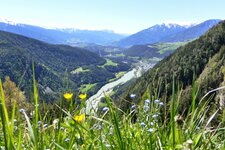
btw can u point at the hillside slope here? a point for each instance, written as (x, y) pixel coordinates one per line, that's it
(201, 61)
(159, 50)
(51, 61)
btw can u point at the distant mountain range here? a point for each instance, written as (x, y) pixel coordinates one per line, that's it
(167, 33)
(60, 36)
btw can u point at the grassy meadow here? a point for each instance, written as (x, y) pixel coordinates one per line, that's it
(152, 124)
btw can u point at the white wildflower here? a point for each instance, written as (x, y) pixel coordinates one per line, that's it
(150, 130)
(132, 95)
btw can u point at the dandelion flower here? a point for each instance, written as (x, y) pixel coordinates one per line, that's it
(68, 96)
(83, 96)
(79, 118)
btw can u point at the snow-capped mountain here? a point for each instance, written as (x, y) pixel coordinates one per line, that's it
(69, 36)
(183, 24)
(151, 35)
(192, 32)
(167, 26)
(9, 22)
(167, 32)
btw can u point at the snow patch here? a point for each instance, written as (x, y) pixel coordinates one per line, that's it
(185, 24)
(170, 25)
(8, 22)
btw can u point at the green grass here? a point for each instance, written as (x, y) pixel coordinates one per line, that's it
(118, 75)
(164, 47)
(79, 70)
(117, 55)
(87, 87)
(154, 127)
(109, 63)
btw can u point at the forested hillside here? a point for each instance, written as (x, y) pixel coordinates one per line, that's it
(200, 62)
(51, 62)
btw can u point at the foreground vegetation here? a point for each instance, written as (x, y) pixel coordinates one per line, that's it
(154, 124)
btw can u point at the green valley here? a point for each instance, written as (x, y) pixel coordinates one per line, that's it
(57, 67)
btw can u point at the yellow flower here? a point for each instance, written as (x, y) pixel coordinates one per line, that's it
(79, 118)
(68, 96)
(83, 96)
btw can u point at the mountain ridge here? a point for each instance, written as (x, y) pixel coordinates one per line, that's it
(166, 33)
(192, 32)
(60, 35)
(149, 35)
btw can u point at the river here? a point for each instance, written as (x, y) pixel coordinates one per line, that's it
(92, 102)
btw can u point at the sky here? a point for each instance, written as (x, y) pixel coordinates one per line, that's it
(120, 16)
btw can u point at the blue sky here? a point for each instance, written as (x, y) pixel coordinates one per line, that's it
(121, 16)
